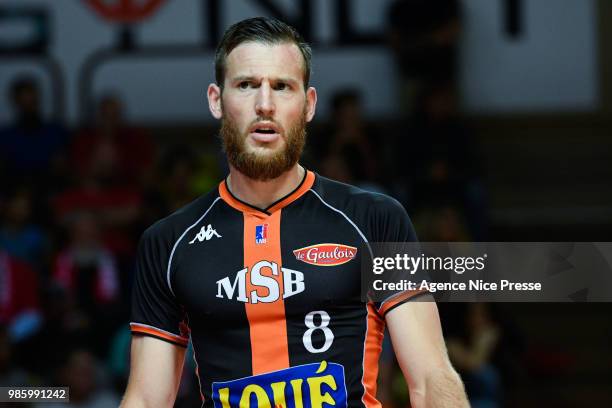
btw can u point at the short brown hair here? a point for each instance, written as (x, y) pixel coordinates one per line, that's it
(263, 30)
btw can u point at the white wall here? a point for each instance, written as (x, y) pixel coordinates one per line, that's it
(551, 67)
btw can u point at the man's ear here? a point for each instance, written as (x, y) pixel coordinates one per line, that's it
(214, 101)
(311, 103)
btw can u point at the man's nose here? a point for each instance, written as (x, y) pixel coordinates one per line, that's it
(264, 105)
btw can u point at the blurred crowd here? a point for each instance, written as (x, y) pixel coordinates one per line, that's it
(74, 202)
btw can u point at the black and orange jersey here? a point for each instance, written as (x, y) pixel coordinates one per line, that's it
(271, 298)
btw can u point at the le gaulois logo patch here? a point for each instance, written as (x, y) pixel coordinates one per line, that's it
(326, 254)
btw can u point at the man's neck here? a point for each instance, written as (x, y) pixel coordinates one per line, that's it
(263, 193)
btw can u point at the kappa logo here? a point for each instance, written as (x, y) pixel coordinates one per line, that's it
(205, 234)
(326, 254)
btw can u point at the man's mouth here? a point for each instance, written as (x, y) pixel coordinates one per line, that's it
(264, 132)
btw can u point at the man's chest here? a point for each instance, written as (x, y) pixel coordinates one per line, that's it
(302, 263)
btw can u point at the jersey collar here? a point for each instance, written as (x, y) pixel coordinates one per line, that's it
(235, 202)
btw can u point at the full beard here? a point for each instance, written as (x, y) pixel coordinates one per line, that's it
(262, 166)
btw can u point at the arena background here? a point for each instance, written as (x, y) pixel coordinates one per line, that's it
(490, 120)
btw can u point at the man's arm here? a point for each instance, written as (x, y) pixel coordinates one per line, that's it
(419, 347)
(155, 373)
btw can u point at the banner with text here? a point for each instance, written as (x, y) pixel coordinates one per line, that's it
(490, 271)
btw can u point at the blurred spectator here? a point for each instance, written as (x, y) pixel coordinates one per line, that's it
(81, 372)
(63, 327)
(114, 162)
(115, 208)
(111, 152)
(10, 374)
(472, 351)
(335, 167)
(424, 36)
(19, 302)
(178, 172)
(486, 347)
(440, 224)
(349, 141)
(18, 235)
(31, 149)
(118, 359)
(86, 270)
(441, 148)
(437, 160)
(208, 172)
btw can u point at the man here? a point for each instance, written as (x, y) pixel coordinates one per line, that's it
(30, 147)
(263, 273)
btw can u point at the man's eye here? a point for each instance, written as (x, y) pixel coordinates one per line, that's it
(281, 86)
(243, 85)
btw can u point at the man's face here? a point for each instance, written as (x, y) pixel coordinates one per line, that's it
(264, 108)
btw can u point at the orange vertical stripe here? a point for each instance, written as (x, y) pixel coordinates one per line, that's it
(373, 347)
(267, 325)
